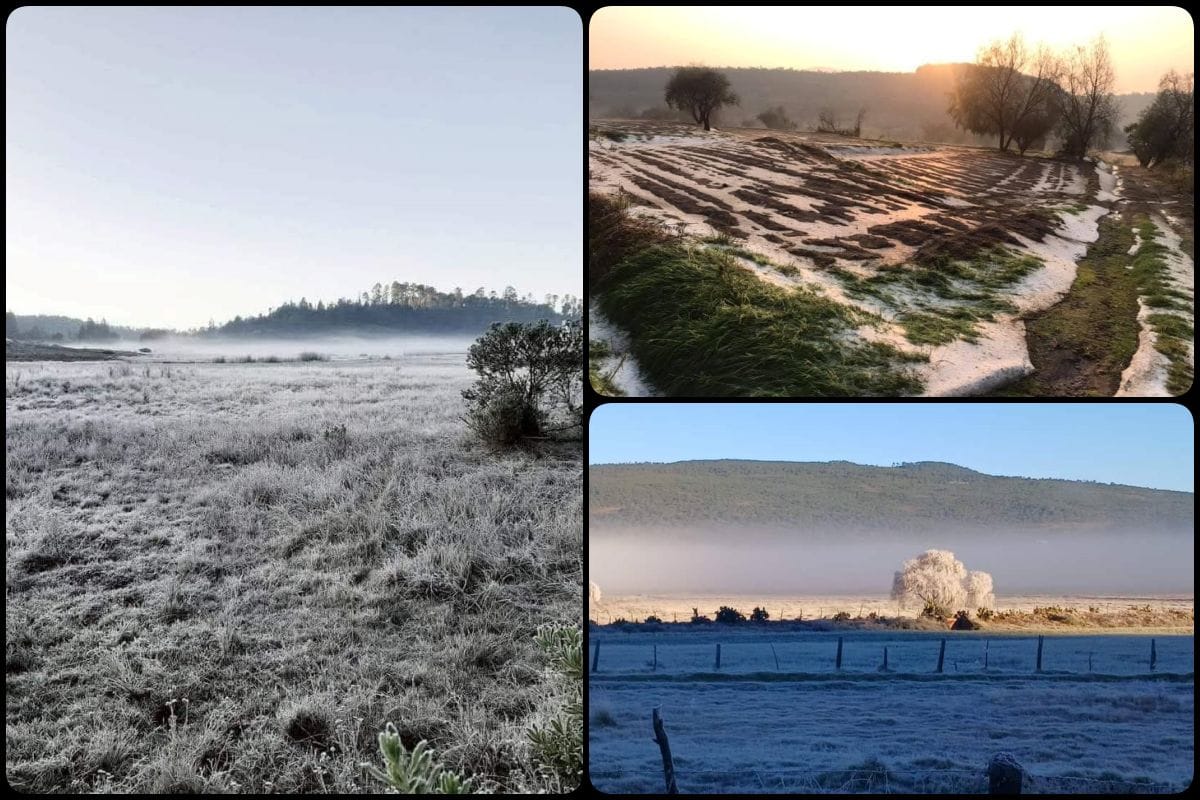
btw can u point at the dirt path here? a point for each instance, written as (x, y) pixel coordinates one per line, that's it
(1080, 346)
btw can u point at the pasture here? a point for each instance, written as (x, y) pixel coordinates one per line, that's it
(231, 576)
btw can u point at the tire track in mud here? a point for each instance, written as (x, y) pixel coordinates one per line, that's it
(1082, 345)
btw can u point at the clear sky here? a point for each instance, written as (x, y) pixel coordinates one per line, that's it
(167, 166)
(1137, 444)
(1145, 41)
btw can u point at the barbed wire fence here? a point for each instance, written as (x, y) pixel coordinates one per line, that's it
(956, 663)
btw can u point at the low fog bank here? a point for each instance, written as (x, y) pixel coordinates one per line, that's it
(331, 347)
(631, 562)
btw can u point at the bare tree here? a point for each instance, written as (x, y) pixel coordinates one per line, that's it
(997, 96)
(827, 120)
(700, 92)
(1089, 109)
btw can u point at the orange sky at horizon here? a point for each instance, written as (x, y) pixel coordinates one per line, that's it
(1145, 42)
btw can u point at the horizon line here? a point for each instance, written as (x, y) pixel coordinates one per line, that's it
(898, 465)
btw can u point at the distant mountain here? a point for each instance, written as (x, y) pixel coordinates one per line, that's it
(842, 496)
(900, 105)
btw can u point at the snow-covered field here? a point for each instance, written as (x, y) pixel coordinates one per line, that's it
(778, 716)
(845, 219)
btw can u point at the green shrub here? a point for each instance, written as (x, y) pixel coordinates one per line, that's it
(505, 418)
(415, 771)
(759, 615)
(558, 742)
(528, 372)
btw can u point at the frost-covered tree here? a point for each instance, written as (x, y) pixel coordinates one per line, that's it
(979, 590)
(941, 584)
(593, 594)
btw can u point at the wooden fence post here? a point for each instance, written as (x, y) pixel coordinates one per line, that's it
(885, 666)
(839, 653)
(596, 657)
(941, 655)
(986, 644)
(1005, 774)
(660, 736)
(718, 657)
(655, 667)
(776, 657)
(1153, 656)
(1039, 655)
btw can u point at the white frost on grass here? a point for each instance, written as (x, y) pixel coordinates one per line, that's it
(1137, 244)
(763, 735)
(1146, 374)
(1001, 354)
(1108, 182)
(625, 373)
(855, 151)
(1059, 252)
(960, 368)
(678, 606)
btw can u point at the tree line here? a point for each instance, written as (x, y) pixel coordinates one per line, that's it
(406, 306)
(1026, 95)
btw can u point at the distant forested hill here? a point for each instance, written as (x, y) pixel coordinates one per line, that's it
(841, 495)
(56, 328)
(900, 105)
(401, 308)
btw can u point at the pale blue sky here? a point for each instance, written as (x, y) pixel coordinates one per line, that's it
(165, 166)
(1139, 444)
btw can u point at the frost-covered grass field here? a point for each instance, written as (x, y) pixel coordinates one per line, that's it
(779, 717)
(229, 577)
(1135, 613)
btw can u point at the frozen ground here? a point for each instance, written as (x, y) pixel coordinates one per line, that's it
(802, 726)
(847, 220)
(672, 607)
(229, 577)
(621, 368)
(1146, 375)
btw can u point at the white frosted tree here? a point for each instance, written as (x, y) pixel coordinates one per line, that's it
(979, 590)
(593, 594)
(940, 584)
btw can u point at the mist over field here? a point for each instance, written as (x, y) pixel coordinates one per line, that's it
(747, 561)
(333, 347)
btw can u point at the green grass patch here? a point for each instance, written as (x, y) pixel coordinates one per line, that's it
(939, 328)
(952, 294)
(1094, 330)
(1172, 332)
(701, 325)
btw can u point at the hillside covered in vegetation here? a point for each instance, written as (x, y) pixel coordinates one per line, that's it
(839, 495)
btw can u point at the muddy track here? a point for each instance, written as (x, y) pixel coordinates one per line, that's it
(1081, 346)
